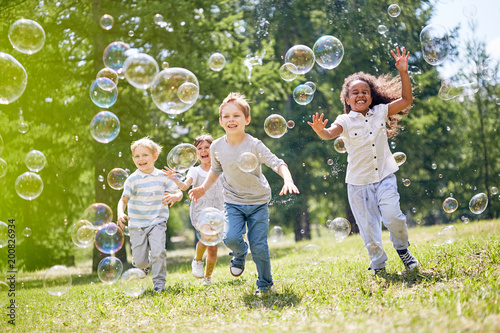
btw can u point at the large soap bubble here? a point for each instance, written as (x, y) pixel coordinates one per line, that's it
(103, 92)
(450, 205)
(182, 157)
(35, 160)
(133, 282)
(213, 219)
(140, 70)
(275, 126)
(116, 178)
(287, 71)
(83, 233)
(105, 127)
(115, 55)
(164, 90)
(29, 185)
(478, 203)
(328, 51)
(399, 157)
(109, 270)
(339, 145)
(339, 228)
(109, 238)
(26, 36)
(303, 94)
(14, 79)
(57, 280)
(216, 62)
(435, 44)
(302, 57)
(247, 162)
(311, 254)
(207, 238)
(4, 234)
(3, 167)
(98, 214)
(448, 235)
(374, 250)
(450, 89)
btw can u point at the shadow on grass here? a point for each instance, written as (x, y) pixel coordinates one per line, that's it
(271, 300)
(412, 278)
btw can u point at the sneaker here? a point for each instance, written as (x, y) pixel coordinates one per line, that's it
(410, 262)
(265, 291)
(207, 281)
(236, 269)
(159, 290)
(197, 269)
(378, 271)
(146, 272)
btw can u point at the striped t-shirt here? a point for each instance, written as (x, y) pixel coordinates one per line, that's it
(145, 192)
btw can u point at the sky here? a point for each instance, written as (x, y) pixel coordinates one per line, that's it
(451, 13)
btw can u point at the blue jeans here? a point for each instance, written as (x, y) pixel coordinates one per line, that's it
(256, 218)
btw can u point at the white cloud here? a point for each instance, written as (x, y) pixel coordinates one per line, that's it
(493, 48)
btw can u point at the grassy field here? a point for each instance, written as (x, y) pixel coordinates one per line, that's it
(328, 290)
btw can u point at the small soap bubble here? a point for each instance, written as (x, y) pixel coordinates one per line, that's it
(116, 178)
(114, 56)
(105, 127)
(109, 270)
(469, 10)
(57, 280)
(131, 33)
(311, 253)
(290, 124)
(339, 228)
(382, 29)
(328, 52)
(103, 92)
(450, 205)
(478, 203)
(158, 19)
(27, 232)
(393, 145)
(3, 167)
(448, 234)
(188, 92)
(339, 145)
(312, 85)
(26, 36)
(216, 62)
(287, 71)
(82, 233)
(29, 185)
(106, 22)
(164, 65)
(126, 231)
(330, 162)
(100, 178)
(494, 190)
(109, 74)
(434, 166)
(399, 157)
(133, 282)
(35, 160)
(302, 57)
(276, 234)
(275, 126)
(23, 127)
(261, 91)
(393, 10)
(135, 128)
(406, 182)
(413, 210)
(247, 162)
(303, 94)
(435, 44)
(14, 79)
(187, 202)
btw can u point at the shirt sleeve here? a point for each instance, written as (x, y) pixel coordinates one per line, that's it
(128, 188)
(216, 167)
(192, 174)
(342, 122)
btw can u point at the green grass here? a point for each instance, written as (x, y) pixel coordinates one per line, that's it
(457, 289)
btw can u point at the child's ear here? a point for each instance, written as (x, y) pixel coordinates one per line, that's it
(247, 120)
(155, 156)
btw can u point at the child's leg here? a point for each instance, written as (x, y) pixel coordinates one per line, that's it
(364, 206)
(211, 260)
(200, 251)
(234, 237)
(258, 229)
(139, 247)
(393, 218)
(157, 238)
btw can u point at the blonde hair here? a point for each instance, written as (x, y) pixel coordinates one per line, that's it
(148, 143)
(240, 100)
(204, 137)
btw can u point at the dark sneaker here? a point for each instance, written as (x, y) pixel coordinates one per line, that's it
(236, 269)
(410, 262)
(146, 272)
(159, 290)
(378, 271)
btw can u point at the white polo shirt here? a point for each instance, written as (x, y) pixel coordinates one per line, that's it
(369, 157)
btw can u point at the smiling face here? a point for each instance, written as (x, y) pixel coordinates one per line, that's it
(359, 96)
(203, 152)
(232, 119)
(144, 159)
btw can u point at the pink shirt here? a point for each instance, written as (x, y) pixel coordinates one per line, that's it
(369, 157)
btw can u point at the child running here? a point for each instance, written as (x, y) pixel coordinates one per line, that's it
(147, 216)
(213, 198)
(246, 194)
(369, 104)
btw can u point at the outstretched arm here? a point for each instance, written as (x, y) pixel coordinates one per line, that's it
(289, 185)
(198, 192)
(406, 91)
(174, 176)
(318, 125)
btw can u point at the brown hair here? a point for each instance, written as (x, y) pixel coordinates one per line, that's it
(204, 137)
(240, 100)
(384, 89)
(148, 143)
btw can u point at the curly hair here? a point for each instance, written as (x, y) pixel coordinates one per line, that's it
(384, 89)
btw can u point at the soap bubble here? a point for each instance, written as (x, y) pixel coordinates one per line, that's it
(450, 90)
(303, 94)
(133, 282)
(448, 234)
(450, 205)
(4, 294)
(339, 229)
(106, 22)
(287, 71)
(4, 234)
(382, 29)
(135, 128)
(116, 178)
(109, 270)
(105, 127)
(339, 145)
(478, 203)
(126, 231)
(328, 51)
(406, 182)
(164, 90)
(83, 233)
(329, 162)
(311, 254)
(312, 85)
(247, 162)
(114, 56)
(3, 167)
(29, 185)
(140, 70)
(393, 10)
(23, 127)
(276, 234)
(435, 44)
(211, 221)
(188, 92)
(158, 19)
(98, 214)
(290, 124)
(434, 166)
(216, 62)
(494, 190)
(182, 157)
(399, 157)
(26, 36)
(109, 74)
(57, 280)
(302, 57)
(109, 242)
(275, 126)
(35, 160)
(374, 250)
(207, 238)
(14, 79)
(469, 10)
(103, 92)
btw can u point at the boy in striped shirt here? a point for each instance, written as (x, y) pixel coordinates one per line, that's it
(147, 216)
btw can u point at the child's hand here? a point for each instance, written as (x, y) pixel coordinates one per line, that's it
(318, 124)
(170, 199)
(122, 220)
(196, 193)
(289, 187)
(171, 174)
(401, 59)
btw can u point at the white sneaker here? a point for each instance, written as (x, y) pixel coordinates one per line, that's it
(197, 268)
(207, 281)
